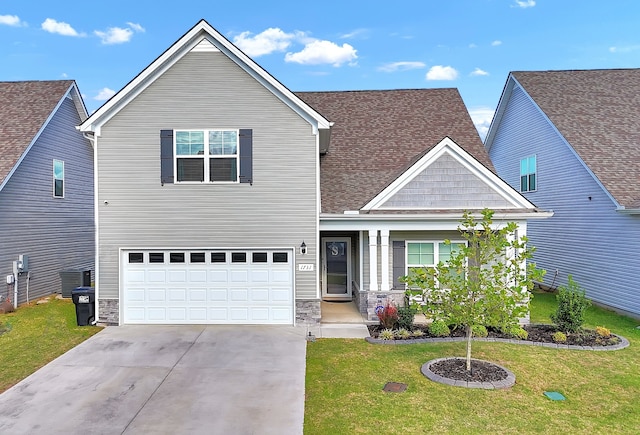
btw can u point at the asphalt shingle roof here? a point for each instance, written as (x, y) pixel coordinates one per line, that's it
(598, 113)
(377, 135)
(24, 108)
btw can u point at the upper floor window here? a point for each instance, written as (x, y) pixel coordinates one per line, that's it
(528, 174)
(206, 155)
(58, 179)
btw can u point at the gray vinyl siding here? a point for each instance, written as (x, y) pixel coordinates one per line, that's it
(447, 184)
(205, 91)
(586, 237)
(56, 233)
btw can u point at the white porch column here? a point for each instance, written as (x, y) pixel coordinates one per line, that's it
(373, 260)
(384, 264)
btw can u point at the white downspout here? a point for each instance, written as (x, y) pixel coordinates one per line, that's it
(93, 140)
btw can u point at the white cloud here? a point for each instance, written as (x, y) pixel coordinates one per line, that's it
(472, 45)
(479, 72)
(625, 49)
(401, 66)
(11, 20)
(271, 40)
(482, 117)
(323, 52)
(61, 28)
(524, 4)
(440, 72)
(355, 33)
(136, 27)
(114, 35)
(496, 43)
(104, 94)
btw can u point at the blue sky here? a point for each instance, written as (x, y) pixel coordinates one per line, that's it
(331, 45)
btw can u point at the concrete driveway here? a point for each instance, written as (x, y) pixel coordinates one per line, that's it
(167, 380)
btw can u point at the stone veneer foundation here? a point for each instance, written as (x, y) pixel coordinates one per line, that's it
(108, 312)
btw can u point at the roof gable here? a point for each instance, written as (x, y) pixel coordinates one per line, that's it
(202, 37)
(377, 135)
(448, 178)
(26, 109)
(596, 112)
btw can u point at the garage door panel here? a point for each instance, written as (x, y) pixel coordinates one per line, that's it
(258, 291)
(239, 295)
(197, 294)
(156, 276)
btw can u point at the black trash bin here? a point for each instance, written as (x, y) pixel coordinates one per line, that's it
(85, 300)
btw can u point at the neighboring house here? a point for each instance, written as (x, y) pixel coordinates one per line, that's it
(223, 197)
(46, 186)
(570, 142)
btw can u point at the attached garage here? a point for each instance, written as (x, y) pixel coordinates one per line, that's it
(199, 286)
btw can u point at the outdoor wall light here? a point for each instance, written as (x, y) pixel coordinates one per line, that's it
(303, 248)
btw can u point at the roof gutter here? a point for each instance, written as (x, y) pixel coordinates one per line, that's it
(622, 210)
(351, 216)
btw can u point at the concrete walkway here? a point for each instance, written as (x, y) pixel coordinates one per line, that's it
(167, 380)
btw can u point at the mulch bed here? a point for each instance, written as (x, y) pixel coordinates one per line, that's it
(456, 369)
(537, 333)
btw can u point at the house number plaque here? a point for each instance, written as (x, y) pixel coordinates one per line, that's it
(305, 267)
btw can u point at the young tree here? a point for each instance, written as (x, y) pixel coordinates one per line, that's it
(486, 281)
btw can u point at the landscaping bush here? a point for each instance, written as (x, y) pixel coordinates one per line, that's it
(387, 334)
(479, 331)
(403, 334)
(559, 337)
(406, 316)
(603, 332)
(572, 304)
(388, 315)
(439, 328)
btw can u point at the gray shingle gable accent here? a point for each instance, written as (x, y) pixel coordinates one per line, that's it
(446, 184)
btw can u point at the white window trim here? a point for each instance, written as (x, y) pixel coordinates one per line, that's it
(436, 252)
(53, 176)
(527, 174)
(206, 156)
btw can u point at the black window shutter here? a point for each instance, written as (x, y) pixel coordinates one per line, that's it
(246, 155)
(166, 156)
(398, 264)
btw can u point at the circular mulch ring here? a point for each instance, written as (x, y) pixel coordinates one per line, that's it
(484, 374)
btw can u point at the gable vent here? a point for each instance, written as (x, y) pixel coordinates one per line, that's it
(205, 46)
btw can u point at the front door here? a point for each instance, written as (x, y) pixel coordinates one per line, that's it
(336, 268)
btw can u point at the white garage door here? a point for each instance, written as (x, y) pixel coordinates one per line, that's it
(208, 286)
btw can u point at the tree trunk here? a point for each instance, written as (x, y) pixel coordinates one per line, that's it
(469, 334)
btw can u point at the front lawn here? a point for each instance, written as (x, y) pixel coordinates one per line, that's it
(35, 335)
(345, 379)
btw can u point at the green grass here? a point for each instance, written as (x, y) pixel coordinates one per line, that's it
(34, 335)
(345, 379)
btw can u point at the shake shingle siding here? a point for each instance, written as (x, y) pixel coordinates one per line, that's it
(206, 91)
(586, 237)
(55, 233)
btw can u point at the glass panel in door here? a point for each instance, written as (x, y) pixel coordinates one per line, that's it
(337, 267)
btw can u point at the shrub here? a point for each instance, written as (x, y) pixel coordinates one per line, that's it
(439, 328)
(387, 334)
(559, 337)
(520, 333)
(403, 333)
(405, 317)
(479, 331)
(418, 333)
(388, 315)
(603, 332)
(572, 304)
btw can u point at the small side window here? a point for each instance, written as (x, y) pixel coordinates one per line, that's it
(136, 257)
(58, 179)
